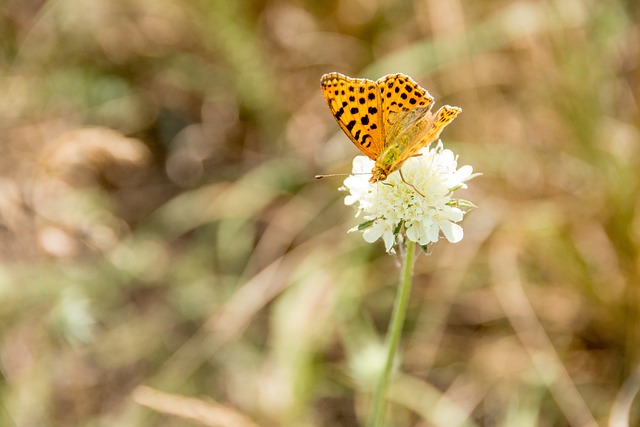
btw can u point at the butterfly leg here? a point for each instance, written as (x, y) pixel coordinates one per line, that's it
(409, 184)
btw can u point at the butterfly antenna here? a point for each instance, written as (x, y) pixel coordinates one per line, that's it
(410, 185)
(330, 175)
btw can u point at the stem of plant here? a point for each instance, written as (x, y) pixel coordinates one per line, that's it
(393, 336)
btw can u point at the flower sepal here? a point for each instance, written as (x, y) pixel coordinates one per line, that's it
(427, 248)
(363, 226)
(463, 204)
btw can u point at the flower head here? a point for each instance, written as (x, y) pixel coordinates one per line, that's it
(391, 206)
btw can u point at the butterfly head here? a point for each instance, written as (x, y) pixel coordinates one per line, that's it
(378, 173)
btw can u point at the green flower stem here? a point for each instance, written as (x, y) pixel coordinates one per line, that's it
(393, 336)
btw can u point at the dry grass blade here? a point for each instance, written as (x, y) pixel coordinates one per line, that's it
(208, 413)
(622, 405)
(434, 406)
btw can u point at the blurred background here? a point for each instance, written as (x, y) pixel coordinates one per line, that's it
(167, 258)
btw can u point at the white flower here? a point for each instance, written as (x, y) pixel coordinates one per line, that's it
(391, 206)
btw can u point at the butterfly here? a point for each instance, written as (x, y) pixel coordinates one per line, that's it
(389, 120)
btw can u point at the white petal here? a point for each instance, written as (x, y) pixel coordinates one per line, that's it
(356, 182)
(464, 172)
(413, 233)
(362, 164)
(373, 233)
(350, 199)
(433, 233)
(389, 240)
(452, 214)
(425, 240)
(459, 177)
(447, 158)
(419, 231)
(453, 232)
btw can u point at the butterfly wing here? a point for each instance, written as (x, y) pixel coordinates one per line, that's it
(409, 124)
(355, 103)
(429, 127)
(399, 95)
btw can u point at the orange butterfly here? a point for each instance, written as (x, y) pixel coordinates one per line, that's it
(389, 120)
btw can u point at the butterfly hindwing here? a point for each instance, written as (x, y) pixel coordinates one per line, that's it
(433, 126)
(355, 103)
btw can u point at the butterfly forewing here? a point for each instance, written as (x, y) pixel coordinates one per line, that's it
(355, 103)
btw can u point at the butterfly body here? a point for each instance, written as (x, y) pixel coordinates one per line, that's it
(389, 120)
